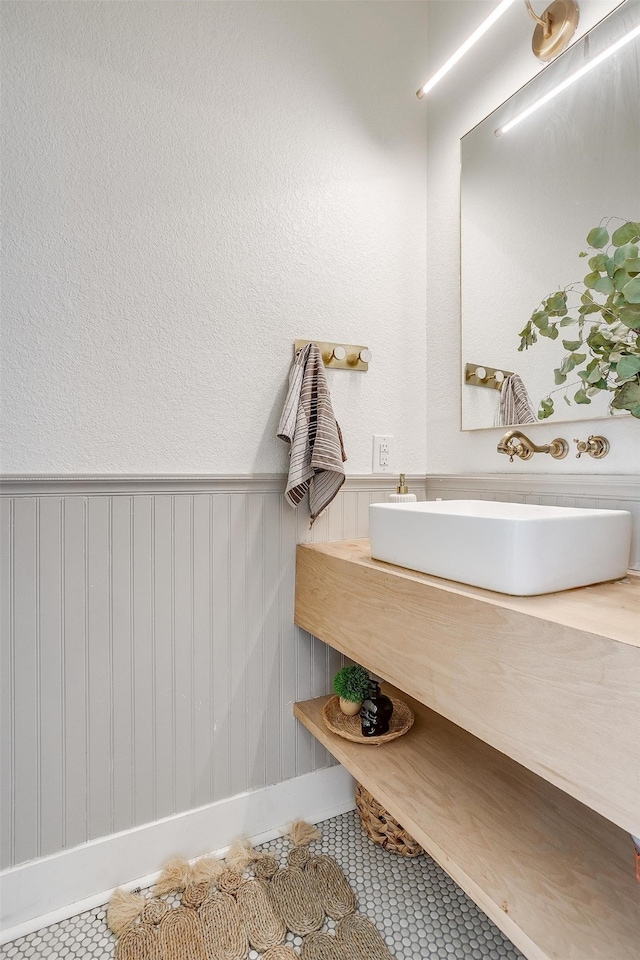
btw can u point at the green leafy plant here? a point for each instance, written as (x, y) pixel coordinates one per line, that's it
(604, 349)
(352, 683)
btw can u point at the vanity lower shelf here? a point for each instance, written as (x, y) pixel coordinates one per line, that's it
(556, 877)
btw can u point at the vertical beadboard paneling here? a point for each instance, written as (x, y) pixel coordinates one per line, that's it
(121, 552)
(144, 805)
(237, 640)
(7, 854)
(273, 641)
(26, 681)
(163, 676)
(349, 504)
(74, 591)
(149, 656)
(254, 651)
(201, 600)
(221, 644)
(51, 664)
(183, 651)
(98, 640)
(288, 641)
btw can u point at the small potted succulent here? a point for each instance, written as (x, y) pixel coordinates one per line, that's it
(352, 685)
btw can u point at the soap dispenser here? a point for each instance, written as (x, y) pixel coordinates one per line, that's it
(402, 494)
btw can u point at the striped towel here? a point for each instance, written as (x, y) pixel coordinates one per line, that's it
(515, 405)
(309, 425)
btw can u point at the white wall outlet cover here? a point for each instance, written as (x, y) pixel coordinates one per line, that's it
(382, 453)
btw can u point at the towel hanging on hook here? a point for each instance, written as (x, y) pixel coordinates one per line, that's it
(309, 425)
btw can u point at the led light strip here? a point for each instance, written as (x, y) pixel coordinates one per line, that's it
(460, 52)
(570, 79)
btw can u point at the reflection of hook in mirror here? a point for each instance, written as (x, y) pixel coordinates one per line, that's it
(478, 376)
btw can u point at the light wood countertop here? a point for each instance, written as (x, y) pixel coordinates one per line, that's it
(610, 610)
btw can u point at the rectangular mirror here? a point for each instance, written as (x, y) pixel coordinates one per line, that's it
(529, 198)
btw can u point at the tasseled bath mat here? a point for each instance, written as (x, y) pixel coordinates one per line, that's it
(154, 911)
(266, 867)
(280, 952)
(225, 936)
(223, 911)
(138, 943)
(229, 881)
(259, 913)
(296, 901)
(331, 887)
(298, 857)
(358, 939)
(320, 946)
(180, 935)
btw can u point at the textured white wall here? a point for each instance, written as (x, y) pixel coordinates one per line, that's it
(188, 188)
(491, 72)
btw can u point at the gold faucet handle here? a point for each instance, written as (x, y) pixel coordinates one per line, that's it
(582, 447)
(596, 447)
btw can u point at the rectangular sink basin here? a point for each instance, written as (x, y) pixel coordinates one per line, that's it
(522, 549)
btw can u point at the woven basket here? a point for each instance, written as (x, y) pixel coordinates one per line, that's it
(382, 828)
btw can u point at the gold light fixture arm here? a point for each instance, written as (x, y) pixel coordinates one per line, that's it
(543, 21)
(554, 29)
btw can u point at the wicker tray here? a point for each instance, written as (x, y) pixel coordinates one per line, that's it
(349, 727)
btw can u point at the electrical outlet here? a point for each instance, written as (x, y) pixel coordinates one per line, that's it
(382, 454)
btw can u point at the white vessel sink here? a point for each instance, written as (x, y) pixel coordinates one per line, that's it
(515, 548)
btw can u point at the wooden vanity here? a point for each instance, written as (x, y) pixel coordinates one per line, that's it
(521, 774)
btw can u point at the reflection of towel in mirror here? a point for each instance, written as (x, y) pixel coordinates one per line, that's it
(515, 405)
(309, 425)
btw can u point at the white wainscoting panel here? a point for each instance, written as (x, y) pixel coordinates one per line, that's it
(149, 655)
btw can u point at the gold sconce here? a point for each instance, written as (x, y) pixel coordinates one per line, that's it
(552, 35)
(554, 28)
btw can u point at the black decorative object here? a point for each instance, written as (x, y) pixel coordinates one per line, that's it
(375, 713)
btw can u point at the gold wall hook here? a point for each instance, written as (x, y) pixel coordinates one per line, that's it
(338, 353)
(339, 356)
(596, 447)
(363, 356)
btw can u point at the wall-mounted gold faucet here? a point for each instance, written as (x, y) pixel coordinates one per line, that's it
(515, 444)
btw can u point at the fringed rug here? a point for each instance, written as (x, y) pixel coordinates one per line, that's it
(220, 910)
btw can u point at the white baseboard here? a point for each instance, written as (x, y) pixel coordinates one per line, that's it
(36, 894)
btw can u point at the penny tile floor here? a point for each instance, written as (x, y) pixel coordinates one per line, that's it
(419, 910)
